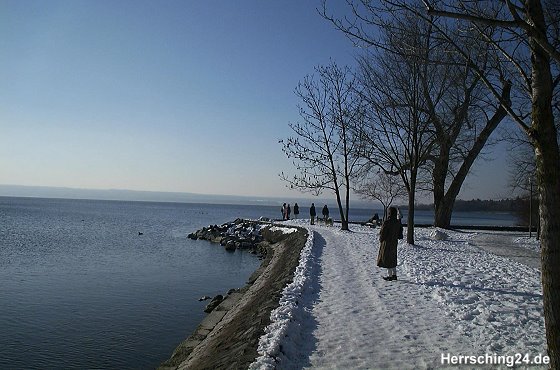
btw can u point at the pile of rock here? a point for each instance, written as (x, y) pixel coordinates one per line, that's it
(239, 234)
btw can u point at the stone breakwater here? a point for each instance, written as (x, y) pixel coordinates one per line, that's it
(239, 234)
(228, 337)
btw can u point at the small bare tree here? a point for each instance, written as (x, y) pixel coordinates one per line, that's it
(384, 188)
(323, 146)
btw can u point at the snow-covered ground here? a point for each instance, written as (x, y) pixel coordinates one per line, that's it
(452, 298)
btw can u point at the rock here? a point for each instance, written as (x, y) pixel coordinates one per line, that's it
(239, 234)
(246, 245)
(214, 303)
(216, 239)
(439, 235)
(230, 246)
(203, 298)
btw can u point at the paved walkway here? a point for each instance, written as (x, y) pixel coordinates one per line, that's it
(502, 244)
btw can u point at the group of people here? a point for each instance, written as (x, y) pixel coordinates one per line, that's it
(313, 213)
(287, 211)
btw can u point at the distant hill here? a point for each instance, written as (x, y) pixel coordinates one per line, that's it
(128, 195)
(154, 196)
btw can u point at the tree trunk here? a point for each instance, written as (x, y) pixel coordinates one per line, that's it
(443, 211)
(410, 216)
(548, 177)
(410, 220)
(445, 200)
(545, 139)
(548, 172)
(343, 219)
(347, 201)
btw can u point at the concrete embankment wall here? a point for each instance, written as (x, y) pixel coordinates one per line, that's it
(228, 337)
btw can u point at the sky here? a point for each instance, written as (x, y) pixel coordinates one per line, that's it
(179, 96)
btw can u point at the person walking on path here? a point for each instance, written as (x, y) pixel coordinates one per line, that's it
(288, 212)
(312, 213)
(283, 210)
(325, 213)
(391, 231)
(296, 211)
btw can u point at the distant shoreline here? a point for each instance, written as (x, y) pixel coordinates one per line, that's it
(25, 191)
(358, 214)
(20, 191)
(469, 227)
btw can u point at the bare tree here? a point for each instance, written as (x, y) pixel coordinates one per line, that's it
(397, 138)
(323, 146)
(462, 113)
(463, 118)
(383, 188)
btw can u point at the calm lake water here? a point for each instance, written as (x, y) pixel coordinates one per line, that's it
(80, 288)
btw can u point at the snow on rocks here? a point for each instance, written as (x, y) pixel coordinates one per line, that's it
(450, 297)
(438, 234)
(284, 230)
(239, 234)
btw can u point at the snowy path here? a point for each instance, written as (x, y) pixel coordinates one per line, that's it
(364, 321)
(493, 242)
(451, 297)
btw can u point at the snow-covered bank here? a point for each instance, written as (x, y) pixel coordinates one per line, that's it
(451, 298)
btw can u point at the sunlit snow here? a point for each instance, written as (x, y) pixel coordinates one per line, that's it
(451, 297)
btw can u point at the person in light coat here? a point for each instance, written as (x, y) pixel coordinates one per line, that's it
(391, 231)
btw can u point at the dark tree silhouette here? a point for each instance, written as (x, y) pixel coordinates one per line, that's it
(323, 146)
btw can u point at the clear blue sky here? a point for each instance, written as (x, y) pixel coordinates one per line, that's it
(188, 96)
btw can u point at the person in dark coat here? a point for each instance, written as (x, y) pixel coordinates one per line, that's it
(390, 233)
(296, 211)
(325, 213)
(288, 212)
(312, 213)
